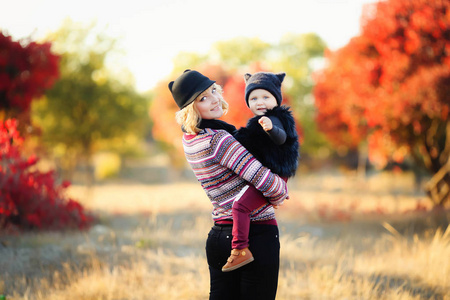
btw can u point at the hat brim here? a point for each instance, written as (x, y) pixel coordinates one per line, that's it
(200, 89)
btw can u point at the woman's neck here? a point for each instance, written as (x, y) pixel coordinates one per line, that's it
(217, 124)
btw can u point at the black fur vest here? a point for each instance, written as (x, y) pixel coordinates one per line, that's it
(280, 159)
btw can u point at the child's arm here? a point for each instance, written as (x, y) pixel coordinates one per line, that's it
(274, 129)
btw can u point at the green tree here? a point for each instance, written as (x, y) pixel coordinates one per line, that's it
(240, 51)
(187, 60)
(297, 55)
(233, 54)
(88, 110)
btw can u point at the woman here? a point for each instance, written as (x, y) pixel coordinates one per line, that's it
(224, 167)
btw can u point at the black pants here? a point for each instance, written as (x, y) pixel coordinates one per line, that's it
(258, 279)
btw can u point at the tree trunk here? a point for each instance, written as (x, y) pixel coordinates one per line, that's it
(90, 177)
(438, 187)
(362, 160)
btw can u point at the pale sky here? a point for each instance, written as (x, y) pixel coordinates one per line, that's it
(153, 32)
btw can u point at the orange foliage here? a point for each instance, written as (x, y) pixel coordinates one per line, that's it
(234, 94)
(391, 84)
(215, 72)
(162, 112)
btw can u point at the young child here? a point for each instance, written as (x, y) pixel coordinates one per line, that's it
(271, 137)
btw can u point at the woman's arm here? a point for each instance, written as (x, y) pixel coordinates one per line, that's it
(230, 153)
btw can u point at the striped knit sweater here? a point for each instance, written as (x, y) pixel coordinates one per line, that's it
(224, 167)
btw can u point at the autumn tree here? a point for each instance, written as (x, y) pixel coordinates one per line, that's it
(88, 109)
(390, 85)
(29, 198)
(27, 69)
(165, 130)
(234, 93)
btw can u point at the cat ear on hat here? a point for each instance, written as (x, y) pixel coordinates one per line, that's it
(280, 76)
(247, 77)
(172, 82)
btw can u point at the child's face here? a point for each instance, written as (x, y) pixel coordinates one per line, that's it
(209, 104)
(260, 101)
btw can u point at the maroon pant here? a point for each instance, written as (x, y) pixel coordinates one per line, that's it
(250, 200)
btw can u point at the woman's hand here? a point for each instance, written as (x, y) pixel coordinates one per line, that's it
(265, 123)
(277, 206)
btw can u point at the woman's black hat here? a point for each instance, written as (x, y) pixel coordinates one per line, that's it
(186, 88)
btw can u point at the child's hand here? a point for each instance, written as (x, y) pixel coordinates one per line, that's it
(265, 123)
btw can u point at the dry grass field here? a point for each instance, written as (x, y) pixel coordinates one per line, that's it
(341, 238)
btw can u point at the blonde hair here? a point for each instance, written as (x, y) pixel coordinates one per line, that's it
(189, 117)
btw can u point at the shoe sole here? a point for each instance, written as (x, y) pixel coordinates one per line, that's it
(239, 265)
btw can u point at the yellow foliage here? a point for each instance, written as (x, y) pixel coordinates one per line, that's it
(107, 165)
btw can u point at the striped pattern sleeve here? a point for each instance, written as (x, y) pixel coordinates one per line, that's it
(231, 154)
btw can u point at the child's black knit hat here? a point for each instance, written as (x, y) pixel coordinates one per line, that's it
(266, 81)
(186, 88)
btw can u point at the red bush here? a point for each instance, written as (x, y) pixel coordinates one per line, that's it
(27, 69)
(30, 199)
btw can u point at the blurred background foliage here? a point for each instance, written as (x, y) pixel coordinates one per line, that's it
(382, 99)
(89, 110)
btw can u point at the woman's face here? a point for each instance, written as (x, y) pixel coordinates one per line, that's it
(208, 104)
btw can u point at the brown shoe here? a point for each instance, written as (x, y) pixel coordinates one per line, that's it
(237, 259)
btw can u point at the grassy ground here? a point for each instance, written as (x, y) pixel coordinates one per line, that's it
(341, 238)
